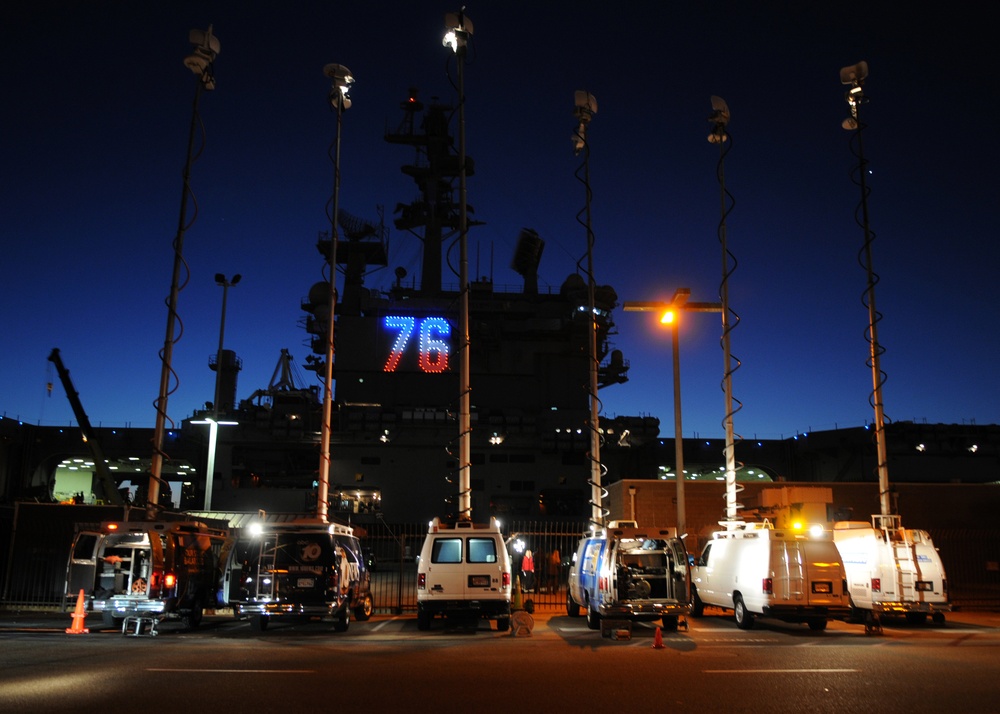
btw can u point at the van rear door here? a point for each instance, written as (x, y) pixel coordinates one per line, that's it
(81, 570)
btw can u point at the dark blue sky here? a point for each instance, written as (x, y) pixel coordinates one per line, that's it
(94, 129)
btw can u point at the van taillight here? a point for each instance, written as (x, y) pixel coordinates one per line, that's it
(767, 585)
(505, 580)
(169, 580)
(876, 585)
(421, 581)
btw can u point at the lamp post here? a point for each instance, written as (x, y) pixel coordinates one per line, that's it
(213, 422)
(670, 315)
(201, 63)
(458, 30)
(341, 101)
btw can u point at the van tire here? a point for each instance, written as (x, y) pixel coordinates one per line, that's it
(365, 608)
(817, 624)
(670, 623)
(194, 616)
(593, 618)
(916, 618)
(572, 609)
(503, 624)
(697, 606)
(258, 623)
(744, 619)
(423, 619)
(343, 621)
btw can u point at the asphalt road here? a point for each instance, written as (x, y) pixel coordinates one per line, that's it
(387, 665)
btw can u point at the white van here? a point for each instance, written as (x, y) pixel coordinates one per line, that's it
(892, 570)
(631, 573)
(146, 570)
(464, 570)
(786, 574)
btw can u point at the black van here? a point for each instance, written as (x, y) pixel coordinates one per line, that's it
(298, 570)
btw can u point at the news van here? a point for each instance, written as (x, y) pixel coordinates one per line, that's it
(463, 571)
(630, 573)
(892, 570)
(149, 570)
(757, 570)
(298, 570)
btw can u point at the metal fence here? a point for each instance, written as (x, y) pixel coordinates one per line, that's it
(35, 540)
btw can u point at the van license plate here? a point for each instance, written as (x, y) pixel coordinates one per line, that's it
(825, 588)
(306, 582)
(479, 581)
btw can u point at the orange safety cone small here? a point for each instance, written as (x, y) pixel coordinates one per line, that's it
(658, 640)
(79, 615)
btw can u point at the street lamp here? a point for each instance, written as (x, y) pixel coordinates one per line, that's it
(202, 63)
(458, 30)
(670, 315)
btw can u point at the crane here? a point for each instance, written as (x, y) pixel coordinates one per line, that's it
(105, 482)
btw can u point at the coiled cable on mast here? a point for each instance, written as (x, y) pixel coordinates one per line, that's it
(719, 118)
(202, 63)
(585, 106)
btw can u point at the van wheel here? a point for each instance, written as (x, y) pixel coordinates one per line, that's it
(423, 619)
(503, 624)
(938, 618)
(258, 623)
(365, 608)
(670, 623)
(572, 609)
(818, 624)
(697, 606)
(343, 620)
(916, 618)
(193, 618)
(744, 619)
(593, 618)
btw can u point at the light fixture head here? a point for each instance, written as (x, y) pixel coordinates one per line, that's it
(855, 74)
(206, 47)
(342, 81)
(457, 30)
(584, 109)
(719, 118)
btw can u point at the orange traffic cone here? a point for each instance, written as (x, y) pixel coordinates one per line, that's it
(658, 640)
(79, 615)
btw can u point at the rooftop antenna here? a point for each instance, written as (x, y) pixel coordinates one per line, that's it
(201, 62)
(458, 31)
(719, 119)
(854, 77)
(340, 100)
(585, 106)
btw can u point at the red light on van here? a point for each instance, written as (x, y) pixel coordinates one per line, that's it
(767, 586)
(421, 581)
(112, 526)
(876, 585)
(169, 580)
(505, 580)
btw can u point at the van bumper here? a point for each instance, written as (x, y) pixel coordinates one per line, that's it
(902, 608)
(797, 612)
(124, 606)
(284, 609)
(645, 610)
(490, 609)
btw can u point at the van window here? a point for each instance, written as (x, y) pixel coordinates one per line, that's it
(482, 550)
(704, 555)
(447, 550)
(85, 546)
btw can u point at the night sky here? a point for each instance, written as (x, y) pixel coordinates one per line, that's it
(94, 131)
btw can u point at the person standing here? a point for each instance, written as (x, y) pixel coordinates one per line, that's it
(528, 572)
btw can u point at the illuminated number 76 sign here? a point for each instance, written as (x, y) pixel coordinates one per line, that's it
(432, 343)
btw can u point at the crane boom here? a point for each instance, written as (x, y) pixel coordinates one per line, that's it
(106, 482)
